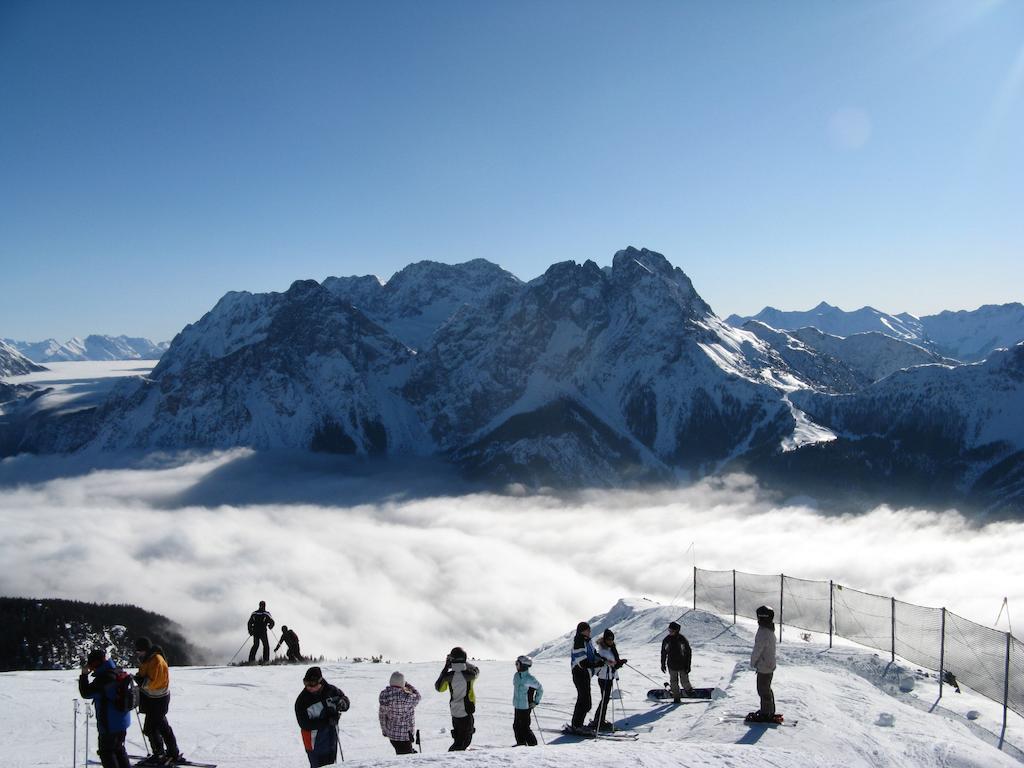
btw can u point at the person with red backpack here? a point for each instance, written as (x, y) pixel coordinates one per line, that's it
(112, 717)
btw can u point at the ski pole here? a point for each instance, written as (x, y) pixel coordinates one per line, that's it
(239, 650)
(145, 739)
(88, 711)
(622, 706)
(337, 741)
(419, 745)
(74, 742)
(539, 729)
(642, 674)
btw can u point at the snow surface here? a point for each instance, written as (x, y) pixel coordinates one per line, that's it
(81, 384)
(843, 699)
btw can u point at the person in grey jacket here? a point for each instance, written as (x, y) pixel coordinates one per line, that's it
(762, 659)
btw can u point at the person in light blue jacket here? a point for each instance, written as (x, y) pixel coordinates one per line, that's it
(526, 694)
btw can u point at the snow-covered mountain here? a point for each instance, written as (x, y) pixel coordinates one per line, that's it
(583, 376)
(968, 336)
(418, 299)
(14, 363)
(94, 347)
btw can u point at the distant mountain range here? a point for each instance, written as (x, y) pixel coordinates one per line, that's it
(968, 336)
(90, 348)
(14, 363)
(582, 377)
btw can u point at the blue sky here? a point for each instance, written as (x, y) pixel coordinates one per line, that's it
(155, 155)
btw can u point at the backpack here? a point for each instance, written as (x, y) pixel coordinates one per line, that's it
(125, 693)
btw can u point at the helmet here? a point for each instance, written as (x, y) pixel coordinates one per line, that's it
(525, 662)
(765, 613)
(458, 654)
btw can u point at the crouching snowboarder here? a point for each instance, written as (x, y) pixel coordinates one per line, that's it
(317, 710)
(526, 694)
(762, 659)
(291, 642)
(457, 677)
(397, 713)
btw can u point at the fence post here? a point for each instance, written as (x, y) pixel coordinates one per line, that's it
(831, 589)
(782, 589)
(734, 596)
(942, 652)
(893, 628)
(1006, 686)
(695, 587)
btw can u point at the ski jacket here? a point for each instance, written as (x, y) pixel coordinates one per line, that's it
(610, 655)
(458, 679)
(676, 653)
(289, 638)
(763, 656)
(526, 690)
(316, 711)
(583, 654)
(153, 676)
(260, 622)
(397, 712)
(101, 690)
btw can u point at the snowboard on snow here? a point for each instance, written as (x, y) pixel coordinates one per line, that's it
(661, 694)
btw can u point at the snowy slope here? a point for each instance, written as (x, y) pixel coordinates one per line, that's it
(871, 355)
(14, 363)
(242, 716)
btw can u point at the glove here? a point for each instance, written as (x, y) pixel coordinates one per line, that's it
(663, 670)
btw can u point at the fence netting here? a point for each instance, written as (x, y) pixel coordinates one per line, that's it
(984, 659)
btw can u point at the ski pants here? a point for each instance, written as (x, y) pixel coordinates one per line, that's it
(293, 653)
(321, 746)
(601, 716)
(462, 733)
(402, 747)
(256, 640)
(764, 690)
(521, 727)
(156, 728)
(581, 679)
(678, 679)
(111, 750)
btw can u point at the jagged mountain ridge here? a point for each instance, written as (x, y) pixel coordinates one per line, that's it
(92, 347)
(967, 336)
(14, 363)
(582, 376)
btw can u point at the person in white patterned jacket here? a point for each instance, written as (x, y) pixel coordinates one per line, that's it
(397, 713)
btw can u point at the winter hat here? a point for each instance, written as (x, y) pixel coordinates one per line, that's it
(582, 626)
(674, 625)
(764, 613)
(143, 644)
(263, 604)
(97, 656)
(458, 654)
(397, 680)
(313, 675)
(608, 636)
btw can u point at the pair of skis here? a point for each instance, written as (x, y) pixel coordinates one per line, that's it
(590, 733)
(775, 722)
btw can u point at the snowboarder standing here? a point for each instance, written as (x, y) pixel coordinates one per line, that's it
(675, 658)
(397, 713)
(762, 659)
(259, 622)
(291, 641)
(154, 680)
(457, 677)
(606, 677)
(317, 710)
(526, 694)
(111, 723)
(583, 660)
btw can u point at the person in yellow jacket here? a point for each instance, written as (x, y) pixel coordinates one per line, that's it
(154, 680)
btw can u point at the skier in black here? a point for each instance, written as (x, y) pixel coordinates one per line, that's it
(259, 622)
(675, 659)
(291, 641)
(584, 661)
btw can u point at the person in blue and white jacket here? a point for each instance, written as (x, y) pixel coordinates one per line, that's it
(526, 694)
(583, 661)
(111, 723)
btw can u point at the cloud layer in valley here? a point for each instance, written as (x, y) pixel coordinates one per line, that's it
(357, 567)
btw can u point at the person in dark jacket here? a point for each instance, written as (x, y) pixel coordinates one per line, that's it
(583, 661)
(111, 723)
(154, 681)
(457, 677)
(291, 641)
(317, 709)
(259, 622)
(675, 658)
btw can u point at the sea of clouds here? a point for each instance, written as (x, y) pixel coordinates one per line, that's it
(363, 560)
